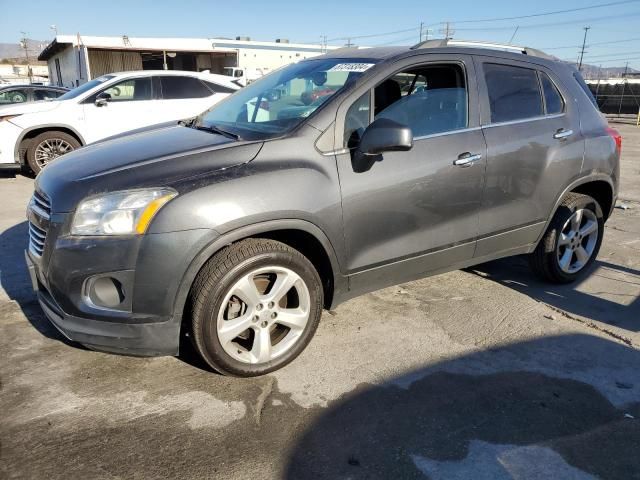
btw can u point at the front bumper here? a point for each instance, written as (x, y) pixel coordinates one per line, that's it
(142, 339)
(151, 269)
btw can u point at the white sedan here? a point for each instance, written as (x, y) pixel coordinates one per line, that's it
(37, 133)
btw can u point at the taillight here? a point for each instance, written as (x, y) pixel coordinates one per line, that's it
(613, 133)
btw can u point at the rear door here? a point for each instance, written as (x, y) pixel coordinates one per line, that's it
(183, 97)
(534, 149)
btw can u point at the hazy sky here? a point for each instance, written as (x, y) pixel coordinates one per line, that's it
(305, 21)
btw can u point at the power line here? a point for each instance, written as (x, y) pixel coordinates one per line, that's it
(612, 55)
(553, 24)
(592, 44)
(556, 12)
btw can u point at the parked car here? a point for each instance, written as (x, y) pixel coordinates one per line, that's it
(35, 134)
(10, 94)
(236, 230)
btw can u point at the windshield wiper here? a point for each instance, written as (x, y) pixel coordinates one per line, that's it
(218, 130)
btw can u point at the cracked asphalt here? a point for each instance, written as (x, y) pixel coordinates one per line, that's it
(485, 373)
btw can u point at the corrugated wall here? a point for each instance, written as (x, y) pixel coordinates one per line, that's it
(110, 61)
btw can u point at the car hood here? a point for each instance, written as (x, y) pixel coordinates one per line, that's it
(30, 107)
(165, 156)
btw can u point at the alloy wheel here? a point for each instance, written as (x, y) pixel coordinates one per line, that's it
(577, 241)
(263, 314)
(50, 149)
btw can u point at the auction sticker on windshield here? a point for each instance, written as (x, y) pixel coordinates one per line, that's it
(351, 67)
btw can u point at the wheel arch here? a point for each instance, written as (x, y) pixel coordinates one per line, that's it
(302, 235)
(598, 186)
(30, 133)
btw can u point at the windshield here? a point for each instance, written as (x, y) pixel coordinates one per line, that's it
(277, 103)
(85, 87)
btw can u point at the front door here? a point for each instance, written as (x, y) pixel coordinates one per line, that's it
(407, 213)
(130, 105)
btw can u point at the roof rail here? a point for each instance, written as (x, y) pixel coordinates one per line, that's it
(476, 44)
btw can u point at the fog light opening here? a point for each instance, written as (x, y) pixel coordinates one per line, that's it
(106, 292)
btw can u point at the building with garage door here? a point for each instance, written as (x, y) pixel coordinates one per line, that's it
(75, 59)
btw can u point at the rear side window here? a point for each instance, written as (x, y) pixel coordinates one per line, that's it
(174, 88)
(46, 94)
(215, 88)
(585, 88)
(514, 92)
(553, 101)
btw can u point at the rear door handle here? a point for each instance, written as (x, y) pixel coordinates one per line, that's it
(467, 159)
(562, 133)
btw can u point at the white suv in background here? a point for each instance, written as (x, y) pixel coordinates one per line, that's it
(36, 133)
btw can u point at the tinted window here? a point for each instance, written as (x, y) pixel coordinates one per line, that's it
(14, 96)
(514, 92)
(46, 94)
(133, 89)
(429, 100)
(214, 87)
(182, 87)
(552, 98)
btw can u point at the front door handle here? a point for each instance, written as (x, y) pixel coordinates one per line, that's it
(467, 159)
(562, 133)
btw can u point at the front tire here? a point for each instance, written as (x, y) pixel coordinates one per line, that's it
(48, 146)
(255, 307)
(572, 240)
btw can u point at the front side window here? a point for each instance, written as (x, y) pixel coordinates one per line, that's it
(514, 92)
(429, 99)
(357, 120)
(276, 103)
(554, 103)
(13, 96)
(133, 89)
(85, 87)
(175, 88)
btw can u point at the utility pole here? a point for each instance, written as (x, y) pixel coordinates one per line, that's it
(584, 45)
(448, 30)
(421, 27)
(24, 44)
(323, 39)
(349, 42)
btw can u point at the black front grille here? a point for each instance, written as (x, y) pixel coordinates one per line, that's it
(37, 238)
(41, 204)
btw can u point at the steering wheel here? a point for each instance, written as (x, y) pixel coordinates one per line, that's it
(116, 91)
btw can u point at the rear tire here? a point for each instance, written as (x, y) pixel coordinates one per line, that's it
(572, 240)
(255, 306)
(48, 146)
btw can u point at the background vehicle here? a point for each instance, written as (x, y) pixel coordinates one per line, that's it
(37, 133)
(244, 76)
(238, 228)
(10, 94)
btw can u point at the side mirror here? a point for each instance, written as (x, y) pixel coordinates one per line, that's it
(385, 135)
(102, 99)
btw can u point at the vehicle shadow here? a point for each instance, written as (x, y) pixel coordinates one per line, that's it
(14, 279)
(528, 410)
(608, 279)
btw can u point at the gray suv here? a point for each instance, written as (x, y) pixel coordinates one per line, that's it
(326, 179)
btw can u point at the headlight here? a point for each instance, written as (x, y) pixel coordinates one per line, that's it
(119, 213)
